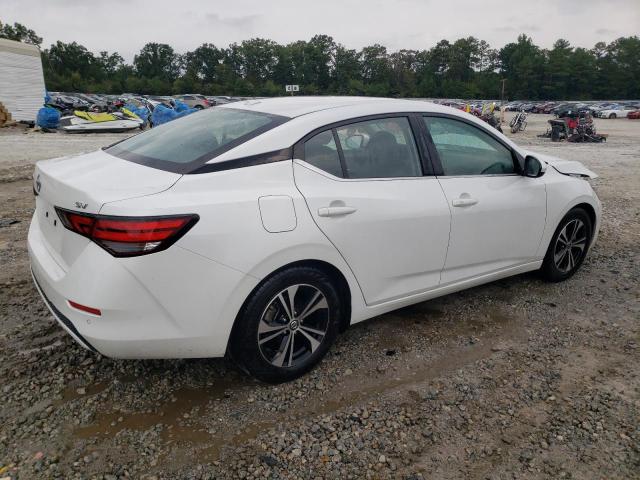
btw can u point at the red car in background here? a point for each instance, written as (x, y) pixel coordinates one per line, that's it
(634, 114)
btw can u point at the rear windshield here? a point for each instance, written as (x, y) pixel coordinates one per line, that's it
(184, 144)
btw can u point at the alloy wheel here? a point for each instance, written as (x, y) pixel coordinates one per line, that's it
(293, 325)
(570, 245)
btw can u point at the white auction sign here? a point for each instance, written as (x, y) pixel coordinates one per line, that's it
(292, 88)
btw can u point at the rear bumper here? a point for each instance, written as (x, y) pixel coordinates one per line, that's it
(62, 320)
(171, 304)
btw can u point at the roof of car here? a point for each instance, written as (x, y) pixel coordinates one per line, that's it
(302, 105)
(307, 114)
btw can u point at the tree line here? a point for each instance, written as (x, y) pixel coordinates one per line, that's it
(465, 68)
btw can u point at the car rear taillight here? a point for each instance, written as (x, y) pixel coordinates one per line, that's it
(128, 236)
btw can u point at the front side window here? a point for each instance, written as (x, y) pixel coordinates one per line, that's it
(189, 142)
(467, 150)
(380, 148)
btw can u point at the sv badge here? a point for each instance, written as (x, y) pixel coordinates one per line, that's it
(81, 205)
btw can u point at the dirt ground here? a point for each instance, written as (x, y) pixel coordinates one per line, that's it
(515, 379)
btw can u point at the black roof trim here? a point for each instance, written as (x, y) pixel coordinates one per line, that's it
(260, 159)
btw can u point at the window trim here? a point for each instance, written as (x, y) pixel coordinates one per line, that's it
(437, 164)
(414, 119)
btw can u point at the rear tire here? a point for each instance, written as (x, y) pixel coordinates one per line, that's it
(287, 325)
(612, 116)
(568, 247)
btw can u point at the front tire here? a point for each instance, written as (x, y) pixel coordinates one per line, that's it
(287, 325)
(568, 247)
(612, 116)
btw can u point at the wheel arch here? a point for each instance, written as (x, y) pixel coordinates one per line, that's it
(587, 207)
(583, 203)
(342, 285)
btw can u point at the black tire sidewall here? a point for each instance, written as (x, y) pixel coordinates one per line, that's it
(549, 269)
(244, 342)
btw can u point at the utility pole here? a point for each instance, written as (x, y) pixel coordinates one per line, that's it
(502, 101)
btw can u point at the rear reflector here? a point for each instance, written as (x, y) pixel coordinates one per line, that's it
(128, 236)
(84, 308)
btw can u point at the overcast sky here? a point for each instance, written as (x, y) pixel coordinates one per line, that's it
(126, 25)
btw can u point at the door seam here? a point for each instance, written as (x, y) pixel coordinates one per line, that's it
(293, 173)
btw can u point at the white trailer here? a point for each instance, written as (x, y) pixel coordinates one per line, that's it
(21, 80)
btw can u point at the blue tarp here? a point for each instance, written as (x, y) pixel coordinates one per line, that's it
(48, 117)
(162, 114)
(180, 106)
(142, 112)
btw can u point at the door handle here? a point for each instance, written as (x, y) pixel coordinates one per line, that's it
(335, 211)
(464, 202)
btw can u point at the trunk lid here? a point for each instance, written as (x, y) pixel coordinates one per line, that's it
(84, 183)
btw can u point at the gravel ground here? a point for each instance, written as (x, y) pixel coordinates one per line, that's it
(515, 379)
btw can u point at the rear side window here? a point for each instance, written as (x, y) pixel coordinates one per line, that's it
(321, 152)
(184, 144)
(380, 148)
(467, 150)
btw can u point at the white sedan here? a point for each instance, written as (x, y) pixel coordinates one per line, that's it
(264, 228)
(614, 112)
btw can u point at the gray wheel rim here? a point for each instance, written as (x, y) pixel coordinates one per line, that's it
(570, 245)
(293, 325)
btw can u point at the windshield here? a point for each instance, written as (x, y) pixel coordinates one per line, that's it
(184, 144)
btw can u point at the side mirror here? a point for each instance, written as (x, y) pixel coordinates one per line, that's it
(533, 167)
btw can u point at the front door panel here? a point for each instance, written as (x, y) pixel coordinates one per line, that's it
(497, 222)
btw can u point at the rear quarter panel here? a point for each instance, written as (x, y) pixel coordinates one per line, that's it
(231, 233)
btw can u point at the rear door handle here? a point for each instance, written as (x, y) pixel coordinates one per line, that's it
(335, 211)
(464, 202)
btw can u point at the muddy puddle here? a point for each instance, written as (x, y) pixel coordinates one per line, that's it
(178, 419)
(188, 421)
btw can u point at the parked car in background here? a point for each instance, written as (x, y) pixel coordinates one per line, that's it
(614, 112)
(166, 101)
(286, 220)
(538, 107)
(596, 107)
(194, 101)
(65, 103)
(222, 99)
(571, 109)
(634, 114)
(93, 101)
(77, 102)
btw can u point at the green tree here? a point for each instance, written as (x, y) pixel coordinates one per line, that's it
(346, 67)
(557, 80)
(157, 60)
(522, 64)
(204, 62)
(19, 33)
(465, 68)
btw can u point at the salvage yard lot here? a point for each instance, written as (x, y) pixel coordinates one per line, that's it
(518, 378)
